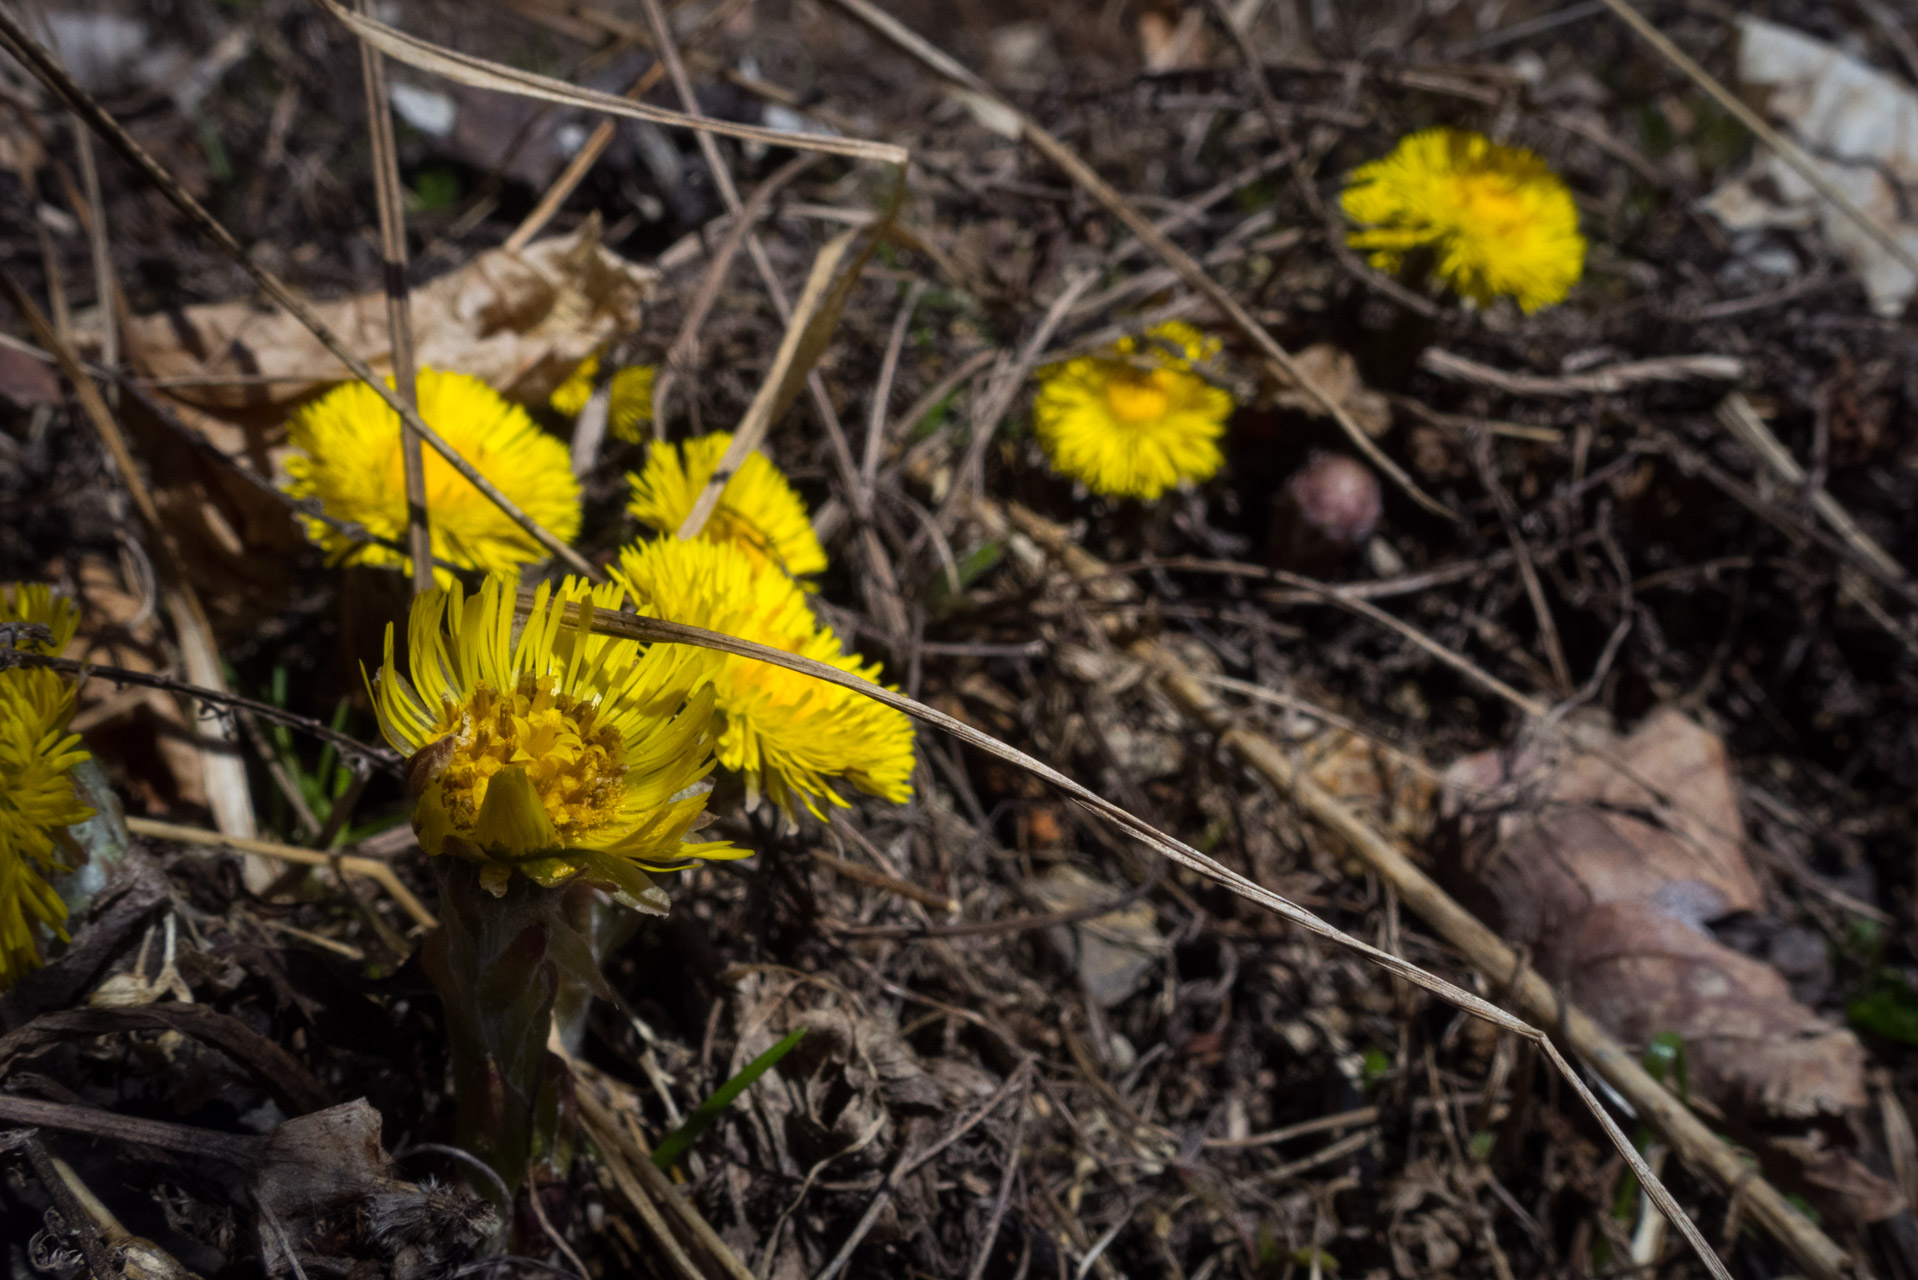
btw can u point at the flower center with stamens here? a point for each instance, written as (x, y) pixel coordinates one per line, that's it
(1491, 208)
(1137, 397)
(569, 755)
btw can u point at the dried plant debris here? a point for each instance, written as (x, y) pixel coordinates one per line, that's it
(1609, 857)
(519, 320)
(1029, 1049)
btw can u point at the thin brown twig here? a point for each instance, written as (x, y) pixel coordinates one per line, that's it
(882, 583)
(346, 744)
(80, 1226)
(1490, 955)
(1281, 127)
(399, 322)
(227, 791)
(891, 884)
(990, 1236)
(912, 1159)
(650, 630)
(1480, 450)
(580, 165)
(546, 1224)
(682, 356)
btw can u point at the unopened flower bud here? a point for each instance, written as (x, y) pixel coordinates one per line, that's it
(1327, 511)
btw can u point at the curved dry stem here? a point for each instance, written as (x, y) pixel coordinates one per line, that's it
(654, 630)
(480, 73)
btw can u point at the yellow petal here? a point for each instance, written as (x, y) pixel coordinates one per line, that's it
(512, 822)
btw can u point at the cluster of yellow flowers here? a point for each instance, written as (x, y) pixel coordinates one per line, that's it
(37, 799)
(556, 751)
(1138, 418)
(541, 746)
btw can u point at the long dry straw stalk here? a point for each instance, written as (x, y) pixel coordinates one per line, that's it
(399, 321)
(655, 630)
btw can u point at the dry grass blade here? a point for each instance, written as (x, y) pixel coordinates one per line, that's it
(1189, 269)
(479, 73)
(1736, 415)
(602, 1127)
(1697, 1144)
(399, 322)
(681, 355)
(347, 864)
(814, 317)
(50, 73)
(578, 167)
(1611, 378)
(653, 630)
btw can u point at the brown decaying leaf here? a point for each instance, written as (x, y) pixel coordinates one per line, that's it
(1337, 374)
(1612, 890)
(520, 321)
(326, 1185)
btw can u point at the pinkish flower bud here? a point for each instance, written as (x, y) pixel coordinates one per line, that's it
(1327, 510)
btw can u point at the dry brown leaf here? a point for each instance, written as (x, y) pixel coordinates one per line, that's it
(26, 381)
(1170, 39)
(1334, 371)
(1611, 886)
(149, 735)
(1365, 775)
(1749, 1046)
(520, 321)
(1563, 833)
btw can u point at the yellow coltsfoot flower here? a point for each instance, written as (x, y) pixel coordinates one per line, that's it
(787, 733)
(1137, 421)
(1497, 219)
(348, 457)
(36, 794)
(630, 396)
(758, 509)
(547, 749)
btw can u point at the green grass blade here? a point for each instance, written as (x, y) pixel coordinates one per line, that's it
(674, 1144)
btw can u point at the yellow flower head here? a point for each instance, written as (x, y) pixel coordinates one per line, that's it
(546, 749)
(1496, 218)
(1135, 422)
(758, 509)
(787, 733)
(36, 795)
(631, 397)
(348, 457)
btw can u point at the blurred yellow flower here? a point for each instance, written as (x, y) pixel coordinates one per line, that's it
(348, 457)
(546, 749)
(36, 795)
(1136, 421)
(758, 509)
(630, 397)
(1497, 219)
(787, 733)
